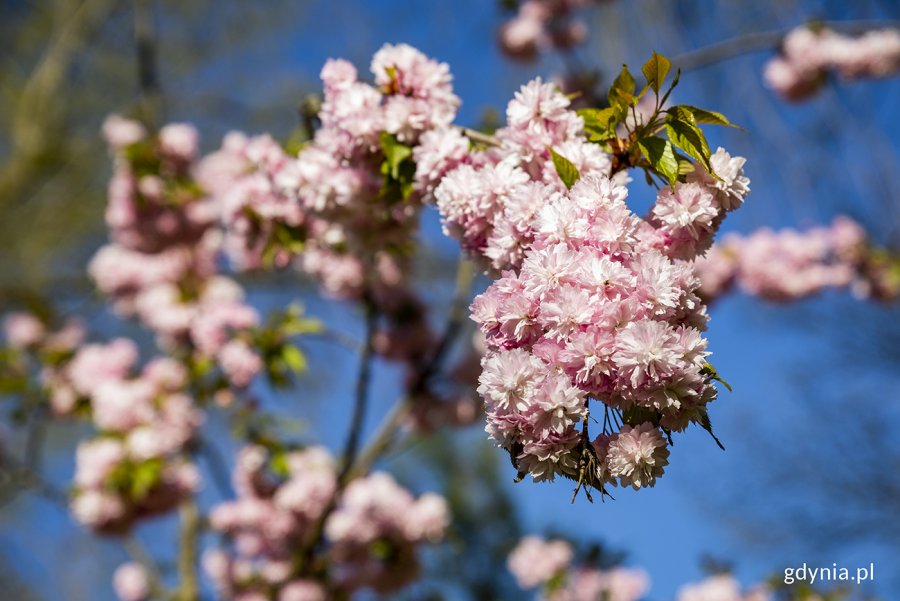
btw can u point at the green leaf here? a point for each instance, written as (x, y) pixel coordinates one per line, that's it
(398, 169)
(394, 154)
(661, 156)
(600, 124)
(568, 172)
(294, 358)
(294, 326)
(689, 138)
(279, 464)
(144, 477)
(684, 166)
(621, 93)
(705, 116)
(381, 549)
(707, 425)
(292, 238)
(655, 70)
(556, 583)
(711, 372)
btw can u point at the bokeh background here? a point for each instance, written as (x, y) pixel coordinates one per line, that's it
(811, 471)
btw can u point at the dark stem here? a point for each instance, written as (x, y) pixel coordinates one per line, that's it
(384, 436)
(147, 69)
(351, 447)
(362, 391)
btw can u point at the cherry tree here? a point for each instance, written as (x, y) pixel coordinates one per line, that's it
(590, 355)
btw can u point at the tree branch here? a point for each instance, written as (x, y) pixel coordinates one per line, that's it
(477, 136)
(351, 447)
(360, 464)
(35, 125)
(384, 436)
(312, 539)
(760, 41)
(188, 587)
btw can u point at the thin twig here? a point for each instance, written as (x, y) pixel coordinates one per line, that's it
(383, 438)
(478, 136)
(465, 272)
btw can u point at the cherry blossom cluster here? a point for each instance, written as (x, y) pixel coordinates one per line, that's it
(137, 465)
(372, 529)
(245, 176)
(789, 264)
(491, 200)
(689, 215)
(32, 356)
(597, 303)
(162, 263)
(592, 302)
(25, 331)
(808, 55)
(548, 564)
(330, 200)
(543, 25)
(345, 209)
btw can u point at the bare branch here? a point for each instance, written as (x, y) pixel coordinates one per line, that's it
(33, 124)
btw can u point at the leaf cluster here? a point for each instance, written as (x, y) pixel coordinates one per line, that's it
(666, 144)
(282, 357)
(397, 168)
